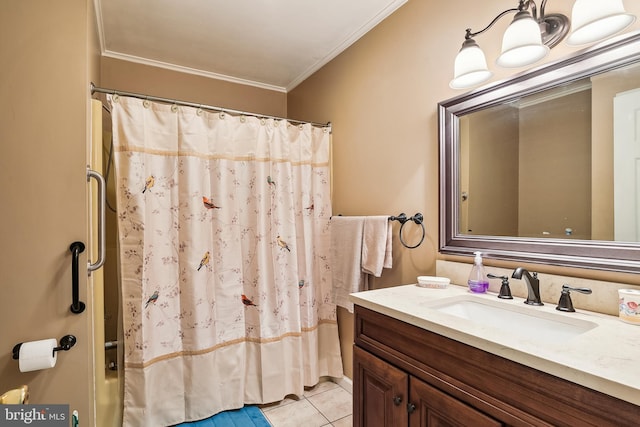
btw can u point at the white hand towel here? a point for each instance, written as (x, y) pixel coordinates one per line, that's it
(376, 245)
(346, 258)
(388, 255)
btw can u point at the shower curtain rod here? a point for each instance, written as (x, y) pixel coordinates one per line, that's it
(95, 89)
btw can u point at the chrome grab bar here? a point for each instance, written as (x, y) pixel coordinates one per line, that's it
(101, 219)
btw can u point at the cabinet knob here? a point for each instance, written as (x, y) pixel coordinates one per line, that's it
(397, 400)
(411, 407)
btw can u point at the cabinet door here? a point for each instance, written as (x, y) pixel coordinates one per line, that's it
(434, 408)
(381, 392)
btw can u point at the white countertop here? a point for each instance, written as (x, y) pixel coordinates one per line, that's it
(605, 358)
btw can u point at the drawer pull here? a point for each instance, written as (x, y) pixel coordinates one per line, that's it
(411, 407)
(397, 400)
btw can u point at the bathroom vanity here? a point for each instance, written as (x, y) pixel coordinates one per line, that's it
(419, 360)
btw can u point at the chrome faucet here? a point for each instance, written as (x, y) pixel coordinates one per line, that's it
(533, 285)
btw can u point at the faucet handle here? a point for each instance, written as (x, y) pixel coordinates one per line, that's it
(565, 303)
(581, 290)
(505, 290)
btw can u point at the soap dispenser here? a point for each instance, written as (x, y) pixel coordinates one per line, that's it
(478, 282)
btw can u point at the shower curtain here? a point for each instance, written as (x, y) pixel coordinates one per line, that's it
(223, 232)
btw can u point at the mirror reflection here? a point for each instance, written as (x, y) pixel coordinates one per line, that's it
(563, 163)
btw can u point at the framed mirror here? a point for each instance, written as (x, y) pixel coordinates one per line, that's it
(544, 167)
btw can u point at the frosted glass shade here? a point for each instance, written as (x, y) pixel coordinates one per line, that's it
(595, 20)
(522, 42)
(470, 66)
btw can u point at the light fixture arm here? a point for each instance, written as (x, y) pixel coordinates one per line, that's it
(469, 34)
(532, 33)
(526, 4)
(533, 10)
(555, 26)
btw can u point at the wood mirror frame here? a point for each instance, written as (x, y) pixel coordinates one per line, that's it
(595, 254)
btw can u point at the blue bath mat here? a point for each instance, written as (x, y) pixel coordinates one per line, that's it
(248, 416)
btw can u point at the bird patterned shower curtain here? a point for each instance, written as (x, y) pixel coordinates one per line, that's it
(223, 239)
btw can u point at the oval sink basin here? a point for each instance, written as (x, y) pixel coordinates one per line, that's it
(521, 321)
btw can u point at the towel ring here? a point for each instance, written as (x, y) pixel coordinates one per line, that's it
(418, 219)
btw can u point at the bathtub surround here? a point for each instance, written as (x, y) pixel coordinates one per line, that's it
(223, 224)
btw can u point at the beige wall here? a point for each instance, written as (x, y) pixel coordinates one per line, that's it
(48, 60)
(148, 80)
(381, 96)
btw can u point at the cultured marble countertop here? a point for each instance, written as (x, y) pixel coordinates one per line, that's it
(605, 358)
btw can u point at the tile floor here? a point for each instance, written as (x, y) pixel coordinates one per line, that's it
(326, 404)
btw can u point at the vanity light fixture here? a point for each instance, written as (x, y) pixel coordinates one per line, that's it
(595, 20)
(531, 35)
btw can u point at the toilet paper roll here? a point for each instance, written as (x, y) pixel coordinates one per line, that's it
(36, 355)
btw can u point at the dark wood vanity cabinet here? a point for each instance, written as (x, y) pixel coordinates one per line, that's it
(388, 396)
(407, 376)
(382, 394)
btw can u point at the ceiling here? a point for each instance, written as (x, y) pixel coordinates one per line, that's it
(274, 44)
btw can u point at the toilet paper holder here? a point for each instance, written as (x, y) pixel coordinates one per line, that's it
(66, 342)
